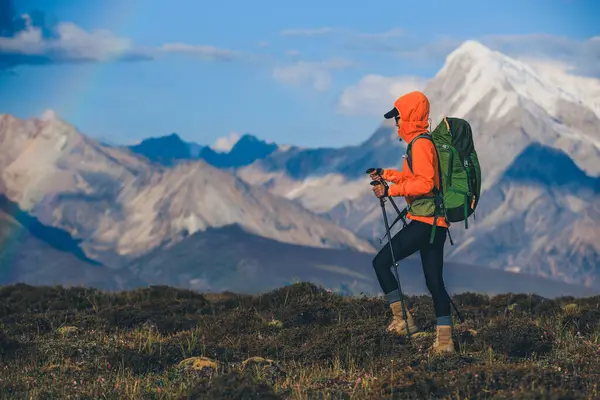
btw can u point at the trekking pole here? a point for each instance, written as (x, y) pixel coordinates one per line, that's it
(400, 214)
(456, 310)
(387, 228)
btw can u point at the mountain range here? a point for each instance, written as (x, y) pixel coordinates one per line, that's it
(172, 149)
(155, 210)
(533, 128)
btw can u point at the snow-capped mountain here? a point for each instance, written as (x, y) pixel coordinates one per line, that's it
(120, 204)
(511, 106)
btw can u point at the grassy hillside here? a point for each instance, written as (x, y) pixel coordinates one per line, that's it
(82, 343)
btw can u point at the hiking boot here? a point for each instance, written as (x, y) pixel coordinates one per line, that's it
(398, 326)
(443, 341)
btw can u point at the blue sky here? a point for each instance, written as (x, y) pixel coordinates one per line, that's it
(290, 72)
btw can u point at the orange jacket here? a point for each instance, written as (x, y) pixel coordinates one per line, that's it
(414, 120)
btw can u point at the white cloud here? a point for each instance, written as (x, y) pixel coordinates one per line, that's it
(314, 73)
(225, 144)
(293, 53)
(391, 33)
(210, 53)
(583, 54)
(71, 43)
(309, 32)
(375, 94)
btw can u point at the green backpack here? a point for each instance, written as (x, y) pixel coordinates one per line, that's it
(459, 171)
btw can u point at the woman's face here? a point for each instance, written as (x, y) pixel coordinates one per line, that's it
(398, 120)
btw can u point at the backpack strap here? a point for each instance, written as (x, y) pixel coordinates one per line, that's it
(409, 148)
(409, 159)
(437, 192)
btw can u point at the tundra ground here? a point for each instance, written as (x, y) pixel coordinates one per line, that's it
(296, 342)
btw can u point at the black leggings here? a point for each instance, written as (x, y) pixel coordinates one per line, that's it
(415, 237)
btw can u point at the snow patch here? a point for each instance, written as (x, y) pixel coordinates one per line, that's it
(321, 194)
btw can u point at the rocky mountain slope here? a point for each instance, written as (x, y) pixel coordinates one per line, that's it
(541, 217)
(121, 205)
(511, 105)
(33, 253)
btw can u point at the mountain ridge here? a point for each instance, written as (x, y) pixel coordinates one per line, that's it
(121, 204)
(171, 149)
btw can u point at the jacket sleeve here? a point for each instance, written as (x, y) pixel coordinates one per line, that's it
(424, 168)
(393, 175)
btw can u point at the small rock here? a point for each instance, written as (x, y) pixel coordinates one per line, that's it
(262, 362)
(275, 323)
(268, 369)
(199, 364)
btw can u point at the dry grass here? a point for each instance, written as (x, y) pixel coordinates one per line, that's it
(297, 342)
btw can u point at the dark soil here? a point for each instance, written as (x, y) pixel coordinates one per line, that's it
(295, 342)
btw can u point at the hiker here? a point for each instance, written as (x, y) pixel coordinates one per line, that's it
(411, 113)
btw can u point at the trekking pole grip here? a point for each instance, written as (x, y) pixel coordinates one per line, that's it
(378, 171)
(371, 170)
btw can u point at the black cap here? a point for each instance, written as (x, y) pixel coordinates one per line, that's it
(392, 113)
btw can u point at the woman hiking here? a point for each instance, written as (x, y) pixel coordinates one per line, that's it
(411, 112)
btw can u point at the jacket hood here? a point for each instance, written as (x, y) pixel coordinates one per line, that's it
(413, 108)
